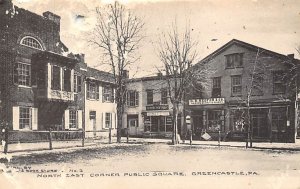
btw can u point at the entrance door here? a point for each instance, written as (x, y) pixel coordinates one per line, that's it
(93, 122)
(259, 123)
(132, 124)
(197, 117)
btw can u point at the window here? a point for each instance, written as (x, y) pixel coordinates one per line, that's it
(55, 82)
(31, 42)
(216, 87)
(149, 96)
(279, 119)
(234, 60)
(278, 83)
(72, 119)
(108, 94)
(236, 85)
(164, 96)
(92, 91)
(25, 118)
(67, 80)
(108, 120)
(132, 98)
(22, 74)
(77, 83)
(215, 120)
(257, 84)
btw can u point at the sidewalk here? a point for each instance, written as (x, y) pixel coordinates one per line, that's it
(65, 146)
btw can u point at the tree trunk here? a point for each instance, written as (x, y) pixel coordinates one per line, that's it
(119, 122)
(175, 123)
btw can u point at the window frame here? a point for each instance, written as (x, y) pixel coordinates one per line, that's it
(107, 94)
(77, 83)
(132, 98)
(233, 85)
(109, 125)
(92, 94)
(235, 63)
(149, 91)
(164, 98)
(18, 72)
(214, 87)
(23, 41)
(22, 118)
(53, 84)
(73, 119)
(278, 82)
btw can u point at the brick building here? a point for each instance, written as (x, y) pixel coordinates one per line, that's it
(41, 85)
(246, 77)
(149, 111)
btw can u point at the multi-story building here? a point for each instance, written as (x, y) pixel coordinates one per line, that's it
(246, 77)
(100, 106)
(41, 85)
(148, 111)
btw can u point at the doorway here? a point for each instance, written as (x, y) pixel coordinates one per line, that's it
(93, 122)
(259, 121)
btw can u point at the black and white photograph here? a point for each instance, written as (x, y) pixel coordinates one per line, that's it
(149, 94)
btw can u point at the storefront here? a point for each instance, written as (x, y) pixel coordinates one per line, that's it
(270, 121)
(208, 116)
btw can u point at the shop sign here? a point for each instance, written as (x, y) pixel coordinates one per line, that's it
(157, 107)
(158, 113)
(207, 101)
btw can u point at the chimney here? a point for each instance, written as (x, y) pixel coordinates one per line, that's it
(159, 74)
(53, 17)
(291, 56)
(126, 74)
(80, 57)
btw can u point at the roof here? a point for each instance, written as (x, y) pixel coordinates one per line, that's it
(99, 75)
(150, 78)
(243, 44)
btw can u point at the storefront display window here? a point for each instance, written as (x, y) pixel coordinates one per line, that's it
(237, 120)
(215, 120)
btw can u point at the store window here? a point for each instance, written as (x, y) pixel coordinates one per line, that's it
(150, 96)
(216, 87)
(25, 117)
(215, 119)
(278, 82)
(279, 119)
(237, 120)
(236, 85)
(234, 60)
(108, 94)
(22, 74)
(92, 90)
(132, 98)
(55, 79)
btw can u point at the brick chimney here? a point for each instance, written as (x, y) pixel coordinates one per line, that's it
(291, 56)
(126, 74)
(53, 17)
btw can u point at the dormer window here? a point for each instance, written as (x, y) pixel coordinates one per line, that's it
(31, 42)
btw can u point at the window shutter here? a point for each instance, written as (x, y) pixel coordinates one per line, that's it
(103, 99)
(116, 121)
(16, 73)
(137, 98)
(49, 76)
(113, 120)
(16, 117)
(79, 118)
(103, 120)
(67, 121)
(34, 118)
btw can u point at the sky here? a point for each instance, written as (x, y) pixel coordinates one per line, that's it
(270, 24)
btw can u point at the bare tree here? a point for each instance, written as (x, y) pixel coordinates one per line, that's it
(117, 34)
(177, 52)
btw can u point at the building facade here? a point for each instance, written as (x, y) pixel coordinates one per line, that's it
(148, 111)
(43, 86)
(246, 78)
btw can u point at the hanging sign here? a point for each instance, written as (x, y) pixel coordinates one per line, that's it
(207, 101)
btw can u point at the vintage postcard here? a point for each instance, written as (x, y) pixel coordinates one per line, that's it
(149, 94)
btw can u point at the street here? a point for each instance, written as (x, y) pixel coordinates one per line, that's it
(160, 161)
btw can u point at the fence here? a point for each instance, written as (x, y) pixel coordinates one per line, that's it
(10, 137)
